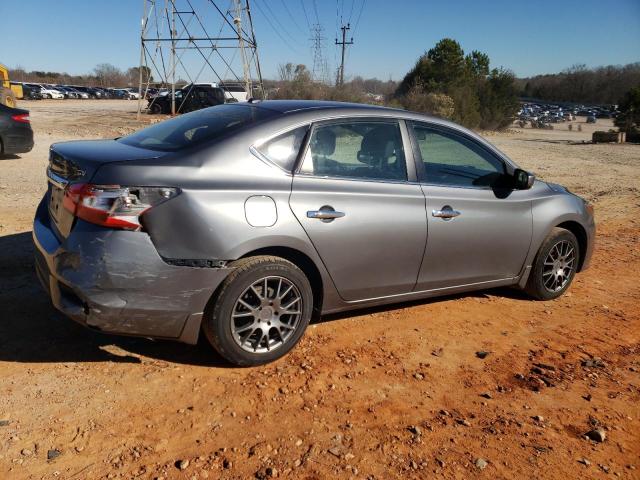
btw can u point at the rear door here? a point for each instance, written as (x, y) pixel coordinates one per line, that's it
(361, 207)
(479, 228)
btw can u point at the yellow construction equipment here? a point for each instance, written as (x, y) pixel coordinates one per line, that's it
(8, 92)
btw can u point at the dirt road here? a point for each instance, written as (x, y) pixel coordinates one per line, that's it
(389, 393)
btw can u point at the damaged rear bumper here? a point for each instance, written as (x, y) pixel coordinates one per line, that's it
(115, 281)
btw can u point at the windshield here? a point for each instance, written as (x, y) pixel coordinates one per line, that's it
(196, 127)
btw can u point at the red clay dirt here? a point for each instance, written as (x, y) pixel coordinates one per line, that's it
(391, 393)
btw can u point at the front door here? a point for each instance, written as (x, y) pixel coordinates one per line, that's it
(479, 228)
(353, 198)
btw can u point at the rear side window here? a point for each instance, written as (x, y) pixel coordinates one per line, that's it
(356, 149)
(283, 149)
(197, 127)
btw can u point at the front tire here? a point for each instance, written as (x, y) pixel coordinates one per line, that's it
(260, 311)
(555, 265)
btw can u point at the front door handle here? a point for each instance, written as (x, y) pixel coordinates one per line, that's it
(447, 213)
(326, 214)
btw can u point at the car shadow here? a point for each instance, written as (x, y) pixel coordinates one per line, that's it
(9, 156)
(32, 331)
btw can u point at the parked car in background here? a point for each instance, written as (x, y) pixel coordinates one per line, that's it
(80, 94)
(150, 92)
(126, 93)
(50, 92)
(119, 93)
(16, 135)
(133, 93)
(101, 92)
(83, 90)
(91, 92)
(187, 99)
(233, 92)
(591, 119)
(30, 92)
(245, 220)
(67, 92)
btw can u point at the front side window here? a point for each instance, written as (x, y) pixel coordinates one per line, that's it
(283, 149)
(453, 160)
(356, 149)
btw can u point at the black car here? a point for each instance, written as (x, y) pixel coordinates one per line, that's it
(30, 93)
(16, 135)
(187, 99)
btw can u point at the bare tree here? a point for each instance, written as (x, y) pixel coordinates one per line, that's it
(109, 75)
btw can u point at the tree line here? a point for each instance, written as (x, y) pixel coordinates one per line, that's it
(103, 75)
(444, 81)
(579, 84)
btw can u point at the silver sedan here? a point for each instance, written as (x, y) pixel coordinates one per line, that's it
(244, 221)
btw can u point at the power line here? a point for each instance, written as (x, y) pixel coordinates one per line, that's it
(304, 9)
(275, 17)
(359, 15)
(353, 2)
(315, 9)
(295, 22)
(285, 41)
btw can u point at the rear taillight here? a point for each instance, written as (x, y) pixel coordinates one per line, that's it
(22, 118)
(114, 206)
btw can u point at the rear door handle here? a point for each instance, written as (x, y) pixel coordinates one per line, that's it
(325, 213)
(446, 213)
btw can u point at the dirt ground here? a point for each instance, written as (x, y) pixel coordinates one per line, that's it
(390, 393)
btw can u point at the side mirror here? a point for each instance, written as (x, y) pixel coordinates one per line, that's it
(522, 179)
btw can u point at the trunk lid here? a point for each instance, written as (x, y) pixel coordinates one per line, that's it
(77, 162)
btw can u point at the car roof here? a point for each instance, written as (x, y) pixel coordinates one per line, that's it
(288, 106)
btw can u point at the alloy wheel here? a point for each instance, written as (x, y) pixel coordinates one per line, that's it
(558, 266)
(266, 314)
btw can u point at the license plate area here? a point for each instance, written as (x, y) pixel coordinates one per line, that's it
(56, 196)
(61, 219)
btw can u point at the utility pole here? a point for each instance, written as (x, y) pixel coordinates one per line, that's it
(344, 43)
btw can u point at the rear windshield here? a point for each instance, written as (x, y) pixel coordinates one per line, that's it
(196, 127)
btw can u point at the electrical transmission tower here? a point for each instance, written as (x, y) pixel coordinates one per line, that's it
(343, 43)
(196, 41)
(317, 40)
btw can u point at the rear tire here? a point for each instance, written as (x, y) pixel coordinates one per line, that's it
(555, 265)
(260, 311)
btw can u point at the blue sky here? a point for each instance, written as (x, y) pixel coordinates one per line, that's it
(528, 37)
